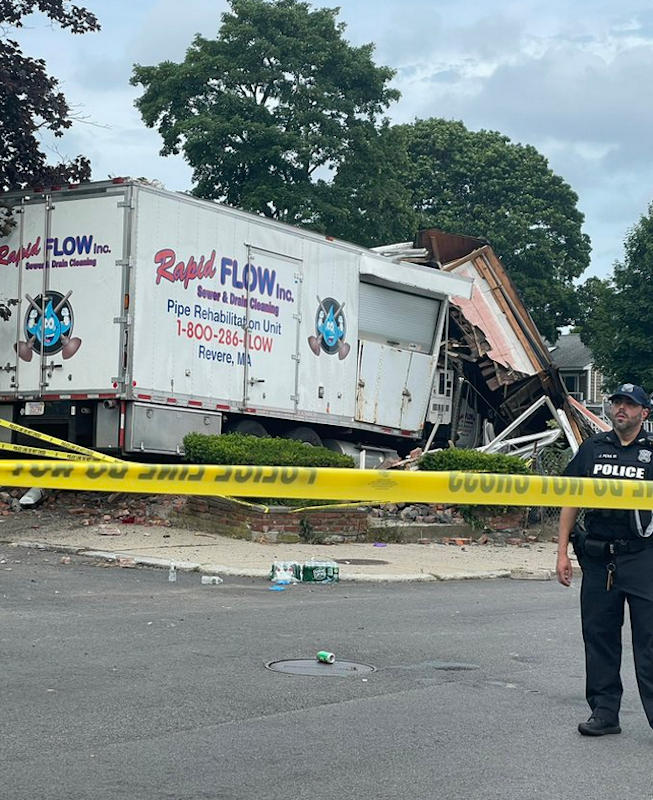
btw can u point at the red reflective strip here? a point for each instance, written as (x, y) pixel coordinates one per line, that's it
(144, 396)
(171, 400)
(195, 403)
(223, 408)
(121, 432)
(79, 397)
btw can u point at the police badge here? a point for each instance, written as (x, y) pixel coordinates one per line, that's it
(644, 456)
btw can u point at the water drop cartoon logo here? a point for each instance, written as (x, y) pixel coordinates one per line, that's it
(48, 327)
(330, 329)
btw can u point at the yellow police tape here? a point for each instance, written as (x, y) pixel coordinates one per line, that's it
(43, 452)
(319, 506)
(331, 484)
(332, 505)
(77, 448)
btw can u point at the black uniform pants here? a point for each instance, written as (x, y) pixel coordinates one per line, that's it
(602, 614)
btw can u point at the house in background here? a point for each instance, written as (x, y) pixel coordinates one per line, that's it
(577, 371)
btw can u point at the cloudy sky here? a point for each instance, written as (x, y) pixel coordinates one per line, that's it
(568, 77)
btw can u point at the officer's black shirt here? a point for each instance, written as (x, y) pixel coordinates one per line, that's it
(603, 456)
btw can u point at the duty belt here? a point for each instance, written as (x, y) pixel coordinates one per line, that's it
(599, 548)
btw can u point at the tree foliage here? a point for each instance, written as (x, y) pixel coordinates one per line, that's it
(369, 201)
(481, 184)
(30, 101)
(617, 315)
(282, 116)
(273, 103)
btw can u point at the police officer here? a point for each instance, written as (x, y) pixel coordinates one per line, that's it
(615, 552)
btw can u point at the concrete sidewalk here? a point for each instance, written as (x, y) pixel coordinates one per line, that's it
(157, 545)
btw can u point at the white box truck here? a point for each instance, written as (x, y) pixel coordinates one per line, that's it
(139, 315)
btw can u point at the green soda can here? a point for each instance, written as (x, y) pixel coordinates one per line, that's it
(325, 657)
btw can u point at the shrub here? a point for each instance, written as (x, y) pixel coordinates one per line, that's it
(234, 448)
(454, 460)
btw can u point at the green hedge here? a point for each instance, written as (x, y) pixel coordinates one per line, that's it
(454, 460)
(234, 448)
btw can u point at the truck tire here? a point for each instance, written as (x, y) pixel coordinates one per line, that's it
(303, 433)
(248, 427)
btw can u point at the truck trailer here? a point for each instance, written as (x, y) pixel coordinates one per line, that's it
(139, 315)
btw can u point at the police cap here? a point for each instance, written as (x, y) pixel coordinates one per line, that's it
(632, 392)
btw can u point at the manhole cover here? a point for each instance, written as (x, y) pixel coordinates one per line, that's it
(307, 666)
(360, 561)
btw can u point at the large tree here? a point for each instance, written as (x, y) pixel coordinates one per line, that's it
(617, 317)
(369, 200)
(481, 184)
(269, 108)
(30, 101)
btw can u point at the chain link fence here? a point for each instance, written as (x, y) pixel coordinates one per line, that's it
(548, 461)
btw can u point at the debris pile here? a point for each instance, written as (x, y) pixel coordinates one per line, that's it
(417, 512)
(92, 508)
(107, 511)
(498, 526)
(9, 502)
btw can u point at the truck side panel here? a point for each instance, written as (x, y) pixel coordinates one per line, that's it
(214, 307)
(69, 287)
(328, 345)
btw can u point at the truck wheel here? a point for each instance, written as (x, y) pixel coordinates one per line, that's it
(304, 434)
(248, 427)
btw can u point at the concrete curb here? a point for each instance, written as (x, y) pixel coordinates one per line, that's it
(472, 576)
(533, 574)
(244, 572)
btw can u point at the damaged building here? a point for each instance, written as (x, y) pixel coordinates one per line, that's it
(497, 381)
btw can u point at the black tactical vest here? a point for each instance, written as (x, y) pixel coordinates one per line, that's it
(603, 456)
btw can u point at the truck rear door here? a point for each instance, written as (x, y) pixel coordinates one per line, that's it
(65, 256)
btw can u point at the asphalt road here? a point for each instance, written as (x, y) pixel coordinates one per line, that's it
(118, 684)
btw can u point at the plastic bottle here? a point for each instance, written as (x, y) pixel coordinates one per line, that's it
(210, 580)
(172, 573)
(285, 572)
